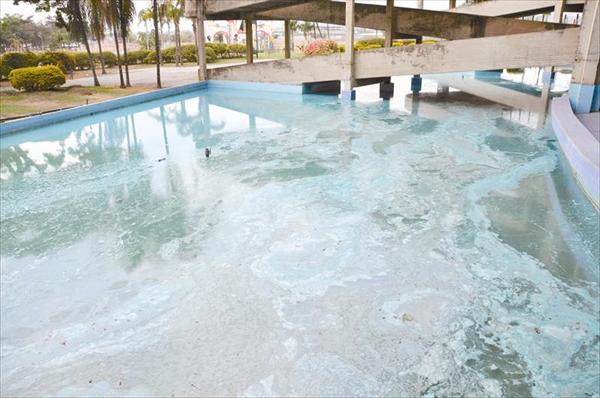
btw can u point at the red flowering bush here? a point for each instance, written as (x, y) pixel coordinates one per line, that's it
(320, 47)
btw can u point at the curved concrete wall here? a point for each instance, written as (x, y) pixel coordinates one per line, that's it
(580, 147)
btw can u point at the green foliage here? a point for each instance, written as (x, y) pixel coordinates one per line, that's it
(150, 58)
(37, 78)
(138, 56)
(237, 50)
(370, 42)
(168, 55)
(221, 49)
(110, 59)
(10, 61)
(65, 61)
(81, 60)
(211, 55)
(188, 53)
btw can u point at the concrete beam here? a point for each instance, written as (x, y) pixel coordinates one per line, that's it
(516, 8)
(443, 24)
(245, 6)
(514, 51)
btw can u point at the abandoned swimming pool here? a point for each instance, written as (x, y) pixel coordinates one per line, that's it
(429, 246)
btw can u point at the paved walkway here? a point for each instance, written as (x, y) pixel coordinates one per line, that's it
(170, 75)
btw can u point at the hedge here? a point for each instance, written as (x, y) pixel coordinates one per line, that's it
(10, 61)
(65, 61)
(137, 56)
(37, 78)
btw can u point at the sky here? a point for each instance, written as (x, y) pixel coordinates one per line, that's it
(7, 7)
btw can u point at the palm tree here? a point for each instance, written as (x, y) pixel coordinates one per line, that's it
(71, 15)
(77, 25)
(97, 16)
(144, 16)
(126, 16)
(113, 21)
(156, 40)
(174, 12)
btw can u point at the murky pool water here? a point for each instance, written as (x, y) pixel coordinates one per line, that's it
(409, 247)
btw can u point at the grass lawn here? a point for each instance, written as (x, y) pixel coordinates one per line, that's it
(15, 103)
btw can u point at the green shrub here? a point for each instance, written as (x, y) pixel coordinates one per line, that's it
(369, 42)
(150, 58)
(211, 56)
(168, 55)
(81, 60)
(110, 59)
(137, 57)
(37, 78)
(10, 61)
(237, 50)
(188, 53)
(372, 46)
(65, 61)
(221, 49)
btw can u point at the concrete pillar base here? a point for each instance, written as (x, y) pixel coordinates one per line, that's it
(386, 90)
(416, 84)
(348, 95)
(584, 98)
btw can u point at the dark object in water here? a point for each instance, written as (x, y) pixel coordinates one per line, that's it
(161, 159)
(207, 152)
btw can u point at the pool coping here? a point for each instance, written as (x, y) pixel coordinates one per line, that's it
(580, 147)
(29, 122)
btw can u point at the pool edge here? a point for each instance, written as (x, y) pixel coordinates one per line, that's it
(29, 122)
(579, 147)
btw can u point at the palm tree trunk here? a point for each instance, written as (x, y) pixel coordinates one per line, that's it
(118, 55)
(101, 55)
(177, 44)
(147, 35)
(156, 41)
(90, 58)
(124, 39)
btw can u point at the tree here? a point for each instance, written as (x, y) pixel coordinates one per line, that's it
(174, 12)
(97, 16)
(72, 15)
(126, 16)
(144, 16)
(156, 40)
(113, 21)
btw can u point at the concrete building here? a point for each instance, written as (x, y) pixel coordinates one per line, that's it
(490, 35)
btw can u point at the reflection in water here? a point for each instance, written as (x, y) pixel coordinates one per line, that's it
(417, 246)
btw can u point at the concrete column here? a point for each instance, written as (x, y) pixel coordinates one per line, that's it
(548, 73)
(584, 92)
(416, 82)
(201, 54)
(451, 4)
(349, 82)
(389, 23)
(249, 50)
(287, 33)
